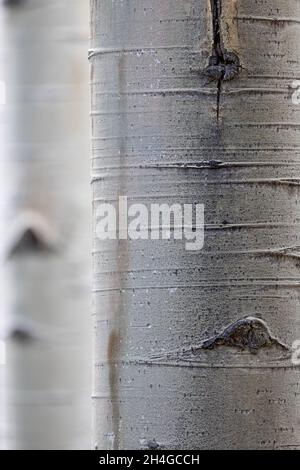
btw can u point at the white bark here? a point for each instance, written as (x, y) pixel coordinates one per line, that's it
(159, 137)
(47, 277)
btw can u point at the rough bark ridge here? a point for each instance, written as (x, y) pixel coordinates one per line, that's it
(164, 132)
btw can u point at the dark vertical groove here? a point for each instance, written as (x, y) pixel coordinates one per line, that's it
(219, 85)
(223, 64)
(216, 9)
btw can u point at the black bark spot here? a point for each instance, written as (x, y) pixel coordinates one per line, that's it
(151, 444)
(13, 3)
(21, 335)
(31, 234)
(29, 241)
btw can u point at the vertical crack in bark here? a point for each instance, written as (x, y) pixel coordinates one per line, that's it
(219, 86)
(216, 9)
(223, 64)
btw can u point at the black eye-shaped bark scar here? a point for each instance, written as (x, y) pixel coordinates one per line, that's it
(247, 333)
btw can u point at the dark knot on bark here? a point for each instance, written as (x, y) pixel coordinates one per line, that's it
(247, 333)
(225, 67)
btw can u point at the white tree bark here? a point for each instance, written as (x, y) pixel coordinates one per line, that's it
(47, 228)
(178, 365)
(3, 425)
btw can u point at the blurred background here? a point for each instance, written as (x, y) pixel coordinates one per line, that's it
(45, 269)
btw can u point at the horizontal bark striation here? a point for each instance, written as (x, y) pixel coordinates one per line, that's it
(156, 139)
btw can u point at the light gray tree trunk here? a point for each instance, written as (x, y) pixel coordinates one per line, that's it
(193, 349)
(47, 267)
(3, 424)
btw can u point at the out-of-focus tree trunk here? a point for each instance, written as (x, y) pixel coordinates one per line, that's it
(47, 228)
(179, 363)
(3, 425)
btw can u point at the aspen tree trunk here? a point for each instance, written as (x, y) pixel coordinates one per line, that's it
(3, 424)
(47, 227)
(193, 349)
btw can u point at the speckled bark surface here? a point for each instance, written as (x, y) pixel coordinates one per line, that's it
(158, 137)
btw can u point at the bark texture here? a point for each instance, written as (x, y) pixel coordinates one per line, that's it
(193, 348)
(47, 273)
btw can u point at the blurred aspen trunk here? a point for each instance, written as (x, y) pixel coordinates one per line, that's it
(193, 348)
(3, 420)
(47, 250)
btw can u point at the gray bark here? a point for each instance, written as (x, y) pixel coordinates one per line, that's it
(177, 364)
(47, 273)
